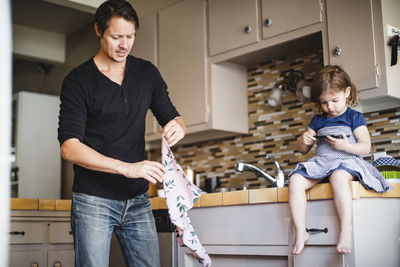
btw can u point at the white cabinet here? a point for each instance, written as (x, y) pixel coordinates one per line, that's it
(26, 258)
(354, 36)
(182, 60)
(212, 98)
(145, 46)
(234, 24)
(37, 149)
(41, 238)
(358, 43)
(283, 16)
(263, 235)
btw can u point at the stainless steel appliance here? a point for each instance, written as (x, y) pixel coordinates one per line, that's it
(166, 239)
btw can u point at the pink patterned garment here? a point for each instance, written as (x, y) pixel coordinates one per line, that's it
(180, 195)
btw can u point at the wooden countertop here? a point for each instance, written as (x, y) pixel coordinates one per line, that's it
(243, 197)
(40, 204)
(275, 195)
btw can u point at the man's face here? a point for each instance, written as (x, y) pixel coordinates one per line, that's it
(118, 38)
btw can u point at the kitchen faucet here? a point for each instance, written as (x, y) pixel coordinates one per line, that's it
(279, 179)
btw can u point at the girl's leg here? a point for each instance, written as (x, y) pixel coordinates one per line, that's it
(298, 185)
(339, 181)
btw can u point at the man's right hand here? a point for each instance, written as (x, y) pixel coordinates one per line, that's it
(75, 151)
(152, 171)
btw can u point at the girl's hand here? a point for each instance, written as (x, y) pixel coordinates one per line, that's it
(338, 143)
(307, 139)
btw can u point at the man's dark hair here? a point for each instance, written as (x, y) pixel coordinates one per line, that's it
(114, 8)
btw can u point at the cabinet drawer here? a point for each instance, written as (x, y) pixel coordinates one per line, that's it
(26, 233)
(26, 258)
(60, 233)
(242, 225)
(61, 258)
(331, 260)
(328, 223)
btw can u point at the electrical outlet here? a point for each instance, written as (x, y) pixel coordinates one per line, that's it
(378, 155)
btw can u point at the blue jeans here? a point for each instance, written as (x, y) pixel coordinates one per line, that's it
(94, 219)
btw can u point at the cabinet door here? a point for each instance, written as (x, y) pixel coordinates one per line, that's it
(60, 232)
(26, 233)
(60, 258)
(145, 47)
(350, 29)
(283, 16)
(228, 20)
(182, 60)
(317, 259)
(26, 259)
(324, 230)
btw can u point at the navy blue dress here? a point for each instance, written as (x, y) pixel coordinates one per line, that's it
(327, 160)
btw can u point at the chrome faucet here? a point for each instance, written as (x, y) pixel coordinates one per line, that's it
(278, 181)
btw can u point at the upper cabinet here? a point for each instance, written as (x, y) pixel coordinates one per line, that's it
(182, 61)
(351, 40)
(236, 23)
(283, 16)
(145, 47)
(232, 24)
(212, 98)
(357, 39)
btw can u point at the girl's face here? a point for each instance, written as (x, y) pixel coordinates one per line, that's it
(333, 101)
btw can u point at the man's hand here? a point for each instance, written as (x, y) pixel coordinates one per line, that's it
(174, 131)
(152, 171)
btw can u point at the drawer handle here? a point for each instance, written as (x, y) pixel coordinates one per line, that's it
(17, 233)
(315, 230)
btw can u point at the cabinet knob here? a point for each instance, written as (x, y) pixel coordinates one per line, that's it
(34, 264)
(337, 51)
(57, 264)
(248, 29)
(268, 22)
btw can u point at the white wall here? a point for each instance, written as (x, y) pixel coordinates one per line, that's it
(5, 125)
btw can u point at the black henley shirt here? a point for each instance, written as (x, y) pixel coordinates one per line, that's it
(110, 118)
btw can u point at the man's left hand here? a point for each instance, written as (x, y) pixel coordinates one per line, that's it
(174, 131)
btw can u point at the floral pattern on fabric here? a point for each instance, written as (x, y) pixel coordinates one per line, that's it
(180, 196)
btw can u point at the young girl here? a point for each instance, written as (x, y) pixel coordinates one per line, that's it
(342, 136)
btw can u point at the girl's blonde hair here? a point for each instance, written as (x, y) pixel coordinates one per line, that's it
(332, 77)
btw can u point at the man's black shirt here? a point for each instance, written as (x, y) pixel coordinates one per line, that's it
(110, 118)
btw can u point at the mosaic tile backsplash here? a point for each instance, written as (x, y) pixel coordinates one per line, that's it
(273, 130)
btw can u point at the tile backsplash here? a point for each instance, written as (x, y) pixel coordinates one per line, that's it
(273, 130)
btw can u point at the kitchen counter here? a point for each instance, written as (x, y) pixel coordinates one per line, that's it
(242, 197)
(253, 227)
(40, 204)
(277, 195)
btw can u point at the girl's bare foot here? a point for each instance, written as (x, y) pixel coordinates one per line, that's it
(345, 241)
(300, 239)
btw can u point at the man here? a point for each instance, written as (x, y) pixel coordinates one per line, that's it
(103, 107)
